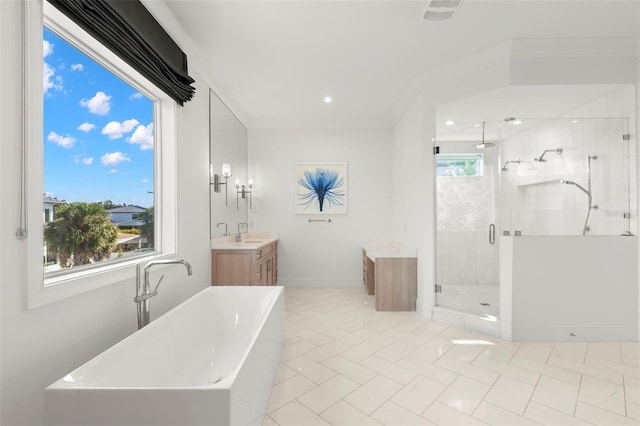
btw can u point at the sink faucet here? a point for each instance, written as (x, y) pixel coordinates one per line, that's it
(142, 298)
(237, 239)
(226, 228)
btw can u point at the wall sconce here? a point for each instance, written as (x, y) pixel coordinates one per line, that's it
(217, 183)
(242, 191)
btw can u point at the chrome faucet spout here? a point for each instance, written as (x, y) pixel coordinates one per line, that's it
(226, 228)
(242, 223)
(237, 239)
(144, 294)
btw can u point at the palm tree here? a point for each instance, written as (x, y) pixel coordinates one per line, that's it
(147, 230)
(81, 233)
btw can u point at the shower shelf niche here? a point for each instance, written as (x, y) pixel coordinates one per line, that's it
(533, 181)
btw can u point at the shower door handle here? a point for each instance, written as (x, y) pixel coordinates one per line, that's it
(492, 234)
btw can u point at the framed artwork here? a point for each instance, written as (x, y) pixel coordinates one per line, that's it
(321, 188)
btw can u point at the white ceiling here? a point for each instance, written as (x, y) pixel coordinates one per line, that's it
(281, 58)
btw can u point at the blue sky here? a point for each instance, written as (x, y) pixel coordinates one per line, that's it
(98, 130)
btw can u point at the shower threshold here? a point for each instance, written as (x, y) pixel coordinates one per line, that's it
(487, 324)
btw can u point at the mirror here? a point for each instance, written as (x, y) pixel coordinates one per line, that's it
(228, 146)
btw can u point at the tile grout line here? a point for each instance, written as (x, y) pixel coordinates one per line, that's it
(624, 396)
(575, 408)
(399, 332)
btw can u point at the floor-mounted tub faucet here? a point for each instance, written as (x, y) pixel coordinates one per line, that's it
(142, 298)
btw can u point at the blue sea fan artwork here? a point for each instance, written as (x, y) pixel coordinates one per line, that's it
(323, 186)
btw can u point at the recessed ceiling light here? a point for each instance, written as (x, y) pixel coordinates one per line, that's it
(476, 125)
(515, 123)
(575, 121)
(449, 123)
(328, 99)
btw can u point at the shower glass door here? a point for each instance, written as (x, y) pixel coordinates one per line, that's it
(467, 202)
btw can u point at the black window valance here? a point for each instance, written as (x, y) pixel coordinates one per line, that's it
(128, 29)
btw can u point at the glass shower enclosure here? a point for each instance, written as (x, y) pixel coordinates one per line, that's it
(531, 177)
(467, 203)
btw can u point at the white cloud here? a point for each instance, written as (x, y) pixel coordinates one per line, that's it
(61, 141)
(100, 104)
(86, 127)
(77, 67)
(114, 158)
(134, 96)
(113, 171)
(84, 160)
(50, 80)
(116, 130)
(47, 48)
(143, 136)
(145, 180)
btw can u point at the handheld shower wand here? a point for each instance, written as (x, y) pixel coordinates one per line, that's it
(585, 228)
(580, 187)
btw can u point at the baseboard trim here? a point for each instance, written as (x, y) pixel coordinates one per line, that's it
(574, 334)
(313, 283)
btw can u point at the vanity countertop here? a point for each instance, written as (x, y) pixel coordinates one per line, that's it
(249, 241)
(388, 249)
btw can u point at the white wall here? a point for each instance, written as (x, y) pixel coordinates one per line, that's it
(413, 196)
(321, 254)
(41, 345)
(566, 288)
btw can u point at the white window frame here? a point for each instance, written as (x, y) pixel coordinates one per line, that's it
(477, 157)
(41, 289)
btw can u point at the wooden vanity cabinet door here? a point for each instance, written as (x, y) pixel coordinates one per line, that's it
(231, 267)
(245, 267)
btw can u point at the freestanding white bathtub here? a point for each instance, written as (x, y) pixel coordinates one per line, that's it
(210, 361)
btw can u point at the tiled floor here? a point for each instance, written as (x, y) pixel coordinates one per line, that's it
(481, 300)
(346, 364)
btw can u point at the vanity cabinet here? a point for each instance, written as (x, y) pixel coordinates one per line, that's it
(390, 272)
(269, 261)
(396, 284)
(241, 265)
(368, 273)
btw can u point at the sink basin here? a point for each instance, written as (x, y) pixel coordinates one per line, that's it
(252, 241)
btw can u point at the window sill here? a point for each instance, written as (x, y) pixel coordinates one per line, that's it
(70, 284)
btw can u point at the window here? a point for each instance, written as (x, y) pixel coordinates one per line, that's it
(106, 141)
(98, 156)
(460, 164)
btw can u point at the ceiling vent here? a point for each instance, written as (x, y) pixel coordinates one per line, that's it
(441, 10)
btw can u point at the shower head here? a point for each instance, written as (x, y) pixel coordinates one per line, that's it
(580, 187)
(505, 168)
(541, 158)
(484, 144)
